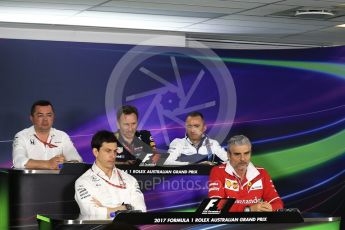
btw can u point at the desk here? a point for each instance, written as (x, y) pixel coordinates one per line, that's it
(59, 223)
(25, 193)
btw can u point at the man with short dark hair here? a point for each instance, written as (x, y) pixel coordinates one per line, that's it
(239, 178)
(103, 189)
(134, 145)
(196, 146)
(41, 146)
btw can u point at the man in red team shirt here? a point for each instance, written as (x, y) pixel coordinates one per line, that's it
(239, 178)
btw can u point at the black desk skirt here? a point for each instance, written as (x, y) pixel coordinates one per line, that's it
(28, 192)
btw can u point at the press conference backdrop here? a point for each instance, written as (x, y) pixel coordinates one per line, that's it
(291, 103)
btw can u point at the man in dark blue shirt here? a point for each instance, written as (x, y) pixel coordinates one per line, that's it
(135, 145)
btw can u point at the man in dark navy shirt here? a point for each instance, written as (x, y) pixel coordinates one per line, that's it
(135, 145)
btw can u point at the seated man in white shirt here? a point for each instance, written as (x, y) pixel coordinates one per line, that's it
(103, 189)
(41, 146)
(196, 146)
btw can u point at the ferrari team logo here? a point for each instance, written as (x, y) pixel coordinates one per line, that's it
(235, 185)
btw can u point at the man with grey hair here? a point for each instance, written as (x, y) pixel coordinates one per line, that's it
(239, 178)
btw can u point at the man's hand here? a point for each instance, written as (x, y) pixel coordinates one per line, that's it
(54, 162)
(98, 204)
(128, 162)
(132, 162)
(261, 207)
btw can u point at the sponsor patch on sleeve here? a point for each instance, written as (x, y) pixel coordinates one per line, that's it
(83, 193)
(231, 185)
(256, 186)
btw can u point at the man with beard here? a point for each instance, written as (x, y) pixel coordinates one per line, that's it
(239, 178)
(134, 145)
(104, 189)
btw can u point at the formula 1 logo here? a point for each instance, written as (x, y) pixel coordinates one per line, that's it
(147, 160)
(215, 205)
